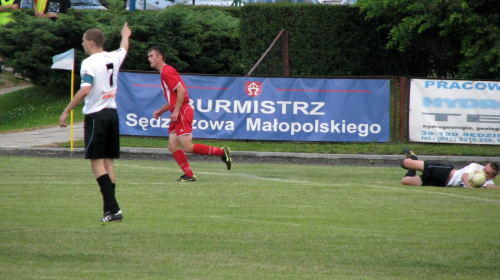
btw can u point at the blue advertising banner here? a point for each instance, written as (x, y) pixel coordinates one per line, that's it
(253, 108)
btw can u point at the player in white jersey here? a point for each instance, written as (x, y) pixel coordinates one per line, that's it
(103, 91)
(443, 175)
(99, 74)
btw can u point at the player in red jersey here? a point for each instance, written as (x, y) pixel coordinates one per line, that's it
(181, 118)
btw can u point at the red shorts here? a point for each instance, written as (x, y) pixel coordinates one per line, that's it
(184, 123)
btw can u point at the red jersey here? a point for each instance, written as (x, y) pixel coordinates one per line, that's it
(170, 79)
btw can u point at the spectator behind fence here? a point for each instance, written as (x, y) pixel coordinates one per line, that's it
(52, 8)
(5, 6)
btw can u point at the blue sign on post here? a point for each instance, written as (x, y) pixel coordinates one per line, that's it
(284, 109)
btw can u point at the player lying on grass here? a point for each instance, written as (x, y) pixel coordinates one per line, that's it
(442, 175)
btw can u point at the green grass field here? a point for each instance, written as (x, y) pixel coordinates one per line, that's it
(257, 221)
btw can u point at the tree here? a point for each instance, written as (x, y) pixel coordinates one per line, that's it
(456, 38)
(196, 40)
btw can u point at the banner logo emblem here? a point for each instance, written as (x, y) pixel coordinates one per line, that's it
(253, 89)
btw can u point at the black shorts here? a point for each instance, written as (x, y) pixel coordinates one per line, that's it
(435, 174)
(102, 135)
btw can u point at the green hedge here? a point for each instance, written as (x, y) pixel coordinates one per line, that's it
(196, 40)
(325, 40)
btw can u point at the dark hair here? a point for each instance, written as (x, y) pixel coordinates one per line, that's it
(96, 36)
(495, 168)
(158, 50)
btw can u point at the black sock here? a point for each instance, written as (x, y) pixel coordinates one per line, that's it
(411, 173)
(108, 194)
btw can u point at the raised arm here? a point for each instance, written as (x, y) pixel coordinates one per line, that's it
(126, 32)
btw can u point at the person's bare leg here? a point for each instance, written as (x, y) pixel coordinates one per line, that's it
(186, 142)
(412, 164)
(108, 164)
(175, 145)
(411, 181)
(410, 178)
(98, 167)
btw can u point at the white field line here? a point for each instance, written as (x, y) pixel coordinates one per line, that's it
(256, 177)
(422, 190)
(419, 189)
(67, 183)
(227, 174)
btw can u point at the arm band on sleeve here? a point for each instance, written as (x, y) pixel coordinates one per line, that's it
(87, 79)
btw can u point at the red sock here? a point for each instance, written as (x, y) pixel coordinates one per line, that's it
(182, 161)
(201, 149)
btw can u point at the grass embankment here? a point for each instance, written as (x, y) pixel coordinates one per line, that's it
(37, 107)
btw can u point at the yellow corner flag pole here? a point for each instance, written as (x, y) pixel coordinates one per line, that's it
(66, 61)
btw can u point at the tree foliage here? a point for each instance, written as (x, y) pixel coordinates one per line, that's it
(457, 38)
(324, 40)
(423, 38)
(196, 40)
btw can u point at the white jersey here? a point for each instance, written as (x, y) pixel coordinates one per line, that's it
(456, 180)
(100, 71)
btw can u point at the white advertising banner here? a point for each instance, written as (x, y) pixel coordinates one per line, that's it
(453, 111)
